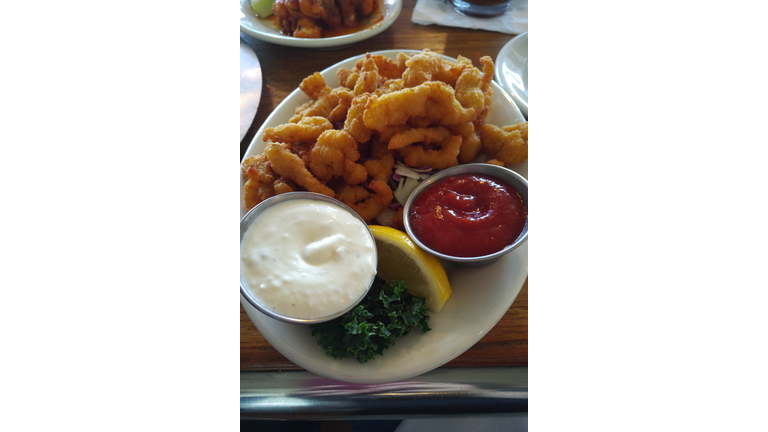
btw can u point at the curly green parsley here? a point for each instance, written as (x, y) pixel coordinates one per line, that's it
(386, 313)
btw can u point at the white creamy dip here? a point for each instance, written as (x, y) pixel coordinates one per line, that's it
(307, 259)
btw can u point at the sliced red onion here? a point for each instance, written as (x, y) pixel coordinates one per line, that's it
(406, 172)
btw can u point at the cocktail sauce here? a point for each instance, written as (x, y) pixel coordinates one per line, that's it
(468, 215)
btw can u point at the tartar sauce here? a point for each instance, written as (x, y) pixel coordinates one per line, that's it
(307, 259)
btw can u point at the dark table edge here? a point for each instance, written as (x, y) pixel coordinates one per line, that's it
(302, 395)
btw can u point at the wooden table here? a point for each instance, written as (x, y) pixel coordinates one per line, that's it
(283, 68)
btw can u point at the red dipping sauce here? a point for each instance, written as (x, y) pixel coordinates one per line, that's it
(468, 215)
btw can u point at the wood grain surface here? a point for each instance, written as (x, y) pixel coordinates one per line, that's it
(283, 68)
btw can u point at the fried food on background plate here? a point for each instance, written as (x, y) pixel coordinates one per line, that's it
(344, 141)
(308, 18)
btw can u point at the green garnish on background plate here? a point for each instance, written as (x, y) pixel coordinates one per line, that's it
(385, 313)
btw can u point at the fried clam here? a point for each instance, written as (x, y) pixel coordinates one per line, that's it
(381, 169)
(469, 93)
(368, 80)
(434, 100)
(290, 166)
(429, 66)
(487, 89)
(325, 102)
(314, 86)
(335, 155)
(348, 77)
(426, 66)
(443, 156)
(262, 181)
(470, 141)
(324, 106)
(505, 145)
(354, 123)
(388, 68)
(302, 150)
(339, 113)
(308, 129)
(389, 86)
(365, 204)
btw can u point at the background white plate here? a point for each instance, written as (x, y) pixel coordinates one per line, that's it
(266, 30)
(512, 70)
(481, 295)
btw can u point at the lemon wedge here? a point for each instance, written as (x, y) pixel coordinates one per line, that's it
(400, 258)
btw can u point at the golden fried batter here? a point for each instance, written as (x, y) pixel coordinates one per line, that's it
(334, 155)
(368, 80)
(290, 166)
(419, 135)
(387, 68)
(260, 179)
(322, 107)
(434, 99)
(306, 130)
(426, 66)
(508, 144)
(351, 194)
(345, 101)
(469, 94)
(389, 86)
(381, 169)
(363, 203)
(347, 78)
(487, 88)
(354, 173)
(420, 155)
(470, 141)
(470, 147)
(354, 124)
(314, 86)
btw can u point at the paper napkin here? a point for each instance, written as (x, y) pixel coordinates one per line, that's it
(440, 12)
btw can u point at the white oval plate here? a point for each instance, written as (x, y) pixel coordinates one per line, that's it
(266, 30)
(512, 70)
(481, 295)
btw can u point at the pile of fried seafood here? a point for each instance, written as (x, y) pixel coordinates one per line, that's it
(344, 142)
(308, 18)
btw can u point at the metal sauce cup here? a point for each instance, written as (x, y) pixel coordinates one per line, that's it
(505, 175)
(252, 214)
